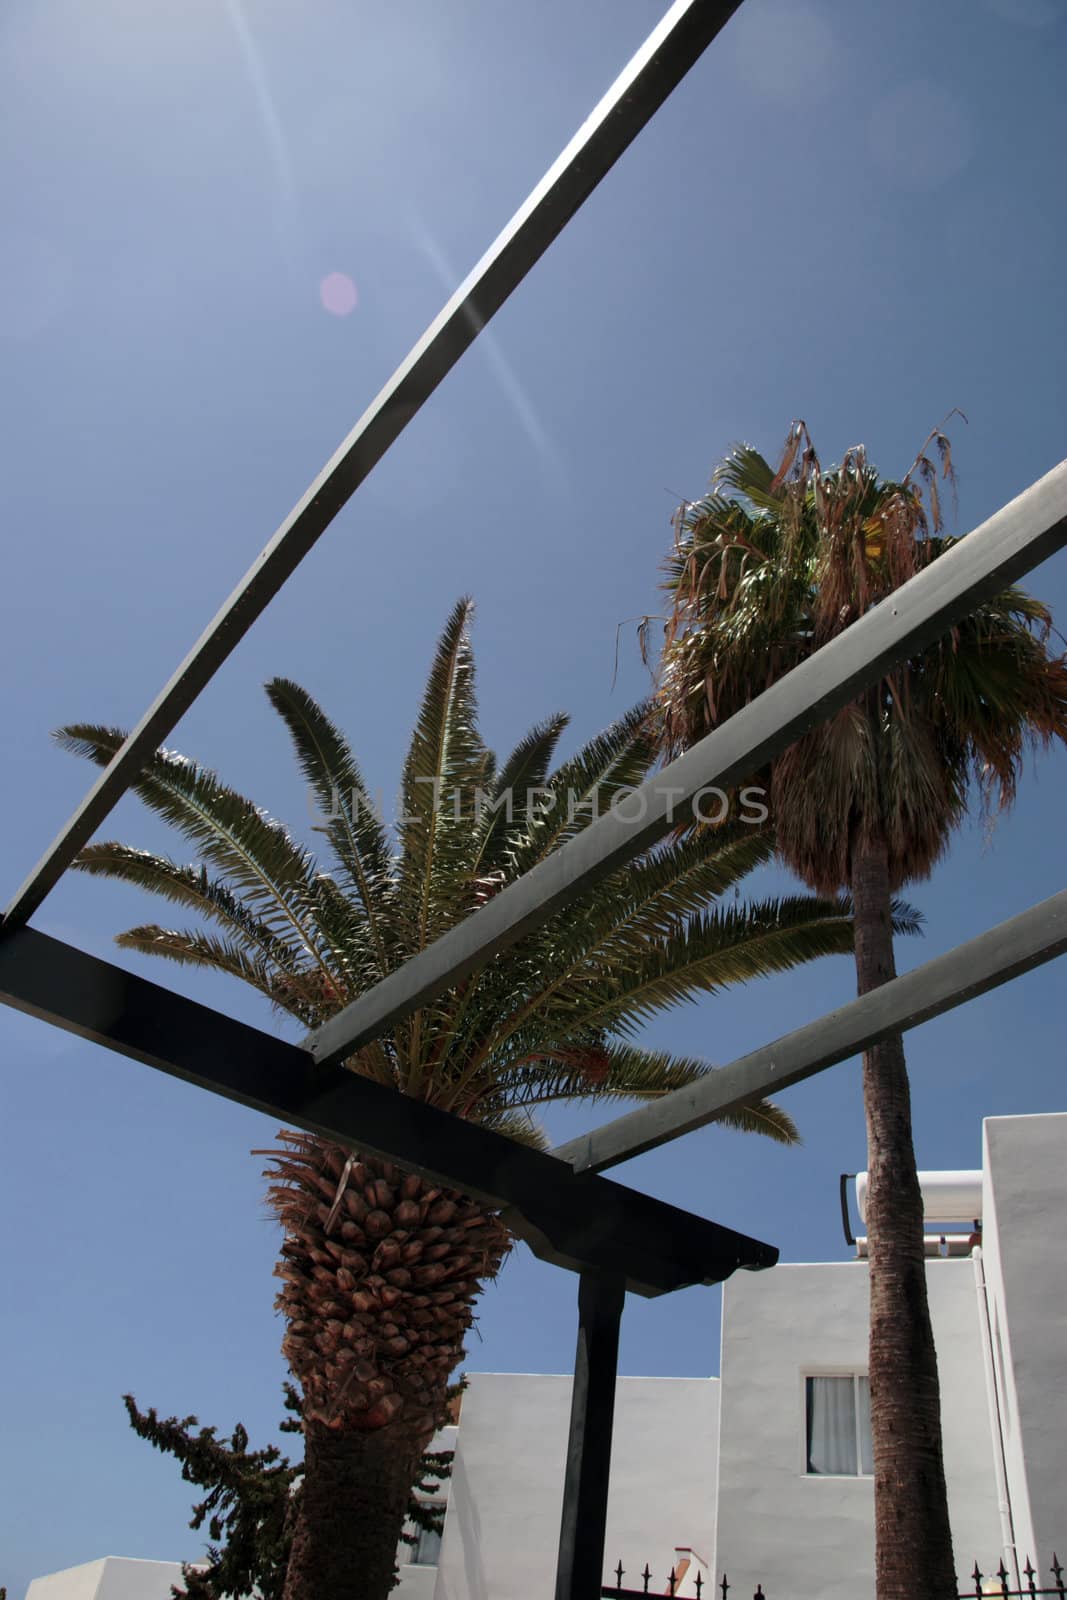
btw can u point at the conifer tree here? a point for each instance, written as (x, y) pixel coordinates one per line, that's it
(252, 1500)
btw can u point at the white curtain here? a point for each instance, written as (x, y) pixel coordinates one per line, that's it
(832, 1425)
(863, 1406)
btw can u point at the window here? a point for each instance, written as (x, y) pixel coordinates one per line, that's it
(839, 1426)
(427, 1548)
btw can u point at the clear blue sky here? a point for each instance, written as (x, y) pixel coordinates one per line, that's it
(850, 212)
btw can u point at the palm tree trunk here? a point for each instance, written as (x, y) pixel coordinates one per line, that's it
(352, 1509)
(381, 1271)
(913, 1540)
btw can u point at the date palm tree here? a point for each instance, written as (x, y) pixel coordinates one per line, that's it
(766, 568)
(380, 1270)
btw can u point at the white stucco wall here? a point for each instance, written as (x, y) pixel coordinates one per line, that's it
(416, 1583)
(812, 1538)
(112, 1578)
(1024, 1244)
(502, 1528)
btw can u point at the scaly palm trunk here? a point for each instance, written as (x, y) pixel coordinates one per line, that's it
(381, 1272)
(356, 1490)
(913, 1540)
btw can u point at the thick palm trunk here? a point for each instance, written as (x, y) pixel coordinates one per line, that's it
(352, 1506)
(381, 1271)
(913, 1541)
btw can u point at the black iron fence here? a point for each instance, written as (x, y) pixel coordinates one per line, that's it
(985, 1587)
(619, 1593)
(674, 1581)
(999, 1585)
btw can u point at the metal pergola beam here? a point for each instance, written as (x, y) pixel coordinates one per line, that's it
(995, 957)
(571, 1219)
(1013, 540)
(637, 93)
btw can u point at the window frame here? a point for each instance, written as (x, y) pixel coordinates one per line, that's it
(841, 1370)
(422, 1533)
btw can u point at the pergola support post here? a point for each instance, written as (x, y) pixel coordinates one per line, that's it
(585, 1486)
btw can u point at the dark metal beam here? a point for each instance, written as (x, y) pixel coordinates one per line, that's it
(579, 1571)
(1004, 952)
(574, 1220)
(635, 96)
(1012, 541)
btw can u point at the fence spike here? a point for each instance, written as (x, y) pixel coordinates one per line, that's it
(1000, 1588)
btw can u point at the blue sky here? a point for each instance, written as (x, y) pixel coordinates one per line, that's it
(847, 213)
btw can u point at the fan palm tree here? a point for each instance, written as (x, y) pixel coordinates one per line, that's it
(766, 568)
(380, 1269)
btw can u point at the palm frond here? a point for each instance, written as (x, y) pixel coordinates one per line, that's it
(515, 794)
(356, 833)
(255, 854)
(445, 766)
(189, 886)
(192, 948)
(619, 1070)
(648, 901)
(584, 787)
(632, 981)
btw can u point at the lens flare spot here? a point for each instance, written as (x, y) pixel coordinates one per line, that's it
(338, 294)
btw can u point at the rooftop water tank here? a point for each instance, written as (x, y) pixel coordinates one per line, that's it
(947, 1196)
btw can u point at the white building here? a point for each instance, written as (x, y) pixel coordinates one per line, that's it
(764, 1472)
(111, 1578)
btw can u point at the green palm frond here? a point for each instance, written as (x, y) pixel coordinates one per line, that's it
(762, 1116)
(653, 896)
(555, 1017)
(446, 764)
(192, 948)
(521, 1127)
(645, 903)
(347, 936)
(356, 833)
(637, 1073)
(718, 949)
(256, 855)
(614, 1070)
(516, 791)
(583, 787)
(190, 886)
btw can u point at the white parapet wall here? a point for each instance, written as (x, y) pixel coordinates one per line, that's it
(506, 1498)
(110, 1578)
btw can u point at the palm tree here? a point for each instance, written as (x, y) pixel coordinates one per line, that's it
(766, 568)
(380, 1269)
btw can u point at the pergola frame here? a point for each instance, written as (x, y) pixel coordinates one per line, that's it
(615, 1238)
